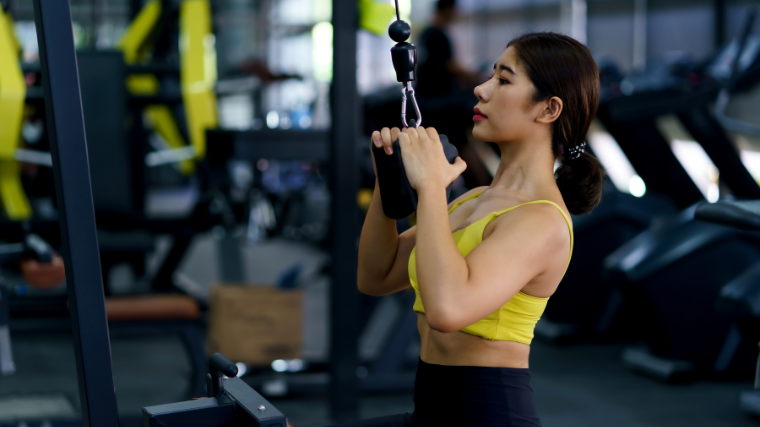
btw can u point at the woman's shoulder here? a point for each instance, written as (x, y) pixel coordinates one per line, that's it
(540, 218)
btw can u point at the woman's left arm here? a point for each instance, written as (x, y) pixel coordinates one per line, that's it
(458, 291)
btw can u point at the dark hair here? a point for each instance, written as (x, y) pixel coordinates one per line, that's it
(563, 67)
(444, 4)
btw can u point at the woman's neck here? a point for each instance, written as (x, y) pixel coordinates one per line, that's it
(526, 166)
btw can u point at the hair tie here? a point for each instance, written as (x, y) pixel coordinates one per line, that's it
(577, 151)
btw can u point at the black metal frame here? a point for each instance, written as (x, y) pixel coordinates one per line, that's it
(237, 405)
(344, 298)
(73, 189)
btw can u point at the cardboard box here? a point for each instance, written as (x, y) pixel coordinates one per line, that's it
(255, 324)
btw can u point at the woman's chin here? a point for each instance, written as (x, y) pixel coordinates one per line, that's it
(478, 132)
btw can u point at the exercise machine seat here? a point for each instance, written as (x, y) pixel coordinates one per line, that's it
(43, 275)
(151, 307)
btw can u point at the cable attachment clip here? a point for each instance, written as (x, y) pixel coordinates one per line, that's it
(407, 89)
(404, 57)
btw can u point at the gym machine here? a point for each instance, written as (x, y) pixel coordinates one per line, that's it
(740, 299)
(12, 94)
(118, 163)
(41, 267)
(672, 274)
(150, 35)
(78, 232)
(231, 401)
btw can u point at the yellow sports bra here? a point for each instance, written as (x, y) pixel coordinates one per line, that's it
(515, 320)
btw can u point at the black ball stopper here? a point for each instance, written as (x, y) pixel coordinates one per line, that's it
(399, 31)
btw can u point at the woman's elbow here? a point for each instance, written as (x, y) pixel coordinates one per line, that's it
(368, 288)
(442, 321)
(362, 286)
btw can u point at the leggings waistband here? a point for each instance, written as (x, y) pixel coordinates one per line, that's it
(473, 395)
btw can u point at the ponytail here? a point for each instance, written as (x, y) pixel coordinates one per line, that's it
(560, 66)
(580, 182)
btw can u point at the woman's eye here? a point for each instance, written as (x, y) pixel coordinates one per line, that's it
(503, 82)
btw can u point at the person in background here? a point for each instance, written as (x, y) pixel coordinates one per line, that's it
(444, 90)
(439, 71)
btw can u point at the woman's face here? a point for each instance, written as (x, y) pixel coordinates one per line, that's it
(507, 111)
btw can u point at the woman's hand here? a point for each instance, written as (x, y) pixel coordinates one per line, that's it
(424, 160)
(422, 154)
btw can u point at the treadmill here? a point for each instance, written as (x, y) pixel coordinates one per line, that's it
(740, 299)
(672, 274)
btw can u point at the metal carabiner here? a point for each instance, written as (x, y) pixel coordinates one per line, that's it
(408, 88)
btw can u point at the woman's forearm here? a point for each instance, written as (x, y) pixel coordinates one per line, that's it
(377, 246)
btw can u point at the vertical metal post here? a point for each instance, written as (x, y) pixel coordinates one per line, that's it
(73, 190)
(639, 34)
(719, 26)
(344, 298)
(573, 16)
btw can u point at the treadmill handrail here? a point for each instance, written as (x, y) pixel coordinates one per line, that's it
(724, 97)
(739, 214)
(734, 125)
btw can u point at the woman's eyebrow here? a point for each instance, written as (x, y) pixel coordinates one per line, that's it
(503, 67)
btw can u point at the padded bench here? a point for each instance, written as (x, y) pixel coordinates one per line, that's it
(161, 315)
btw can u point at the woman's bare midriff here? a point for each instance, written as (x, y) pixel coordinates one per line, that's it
(461, 349)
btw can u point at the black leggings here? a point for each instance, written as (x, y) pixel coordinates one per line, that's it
(465, 396)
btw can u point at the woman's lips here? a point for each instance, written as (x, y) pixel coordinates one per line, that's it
(479, 116)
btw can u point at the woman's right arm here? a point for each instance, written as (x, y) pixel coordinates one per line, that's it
(383, 253)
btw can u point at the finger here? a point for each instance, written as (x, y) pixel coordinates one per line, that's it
(394, 133)
(422, 134)
(387, 140)
(412, 133)
(459, 165)
(432, 134)
(404, 140)
(377, 139)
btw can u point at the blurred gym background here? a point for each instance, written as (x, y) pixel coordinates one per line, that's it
(208, 124)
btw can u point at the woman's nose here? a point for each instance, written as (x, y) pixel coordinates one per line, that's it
(483, 92)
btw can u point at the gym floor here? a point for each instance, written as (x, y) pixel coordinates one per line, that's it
(581, 385)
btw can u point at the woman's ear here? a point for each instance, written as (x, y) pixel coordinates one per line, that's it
(552, 108)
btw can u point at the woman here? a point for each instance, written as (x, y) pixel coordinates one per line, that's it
(484, 267)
